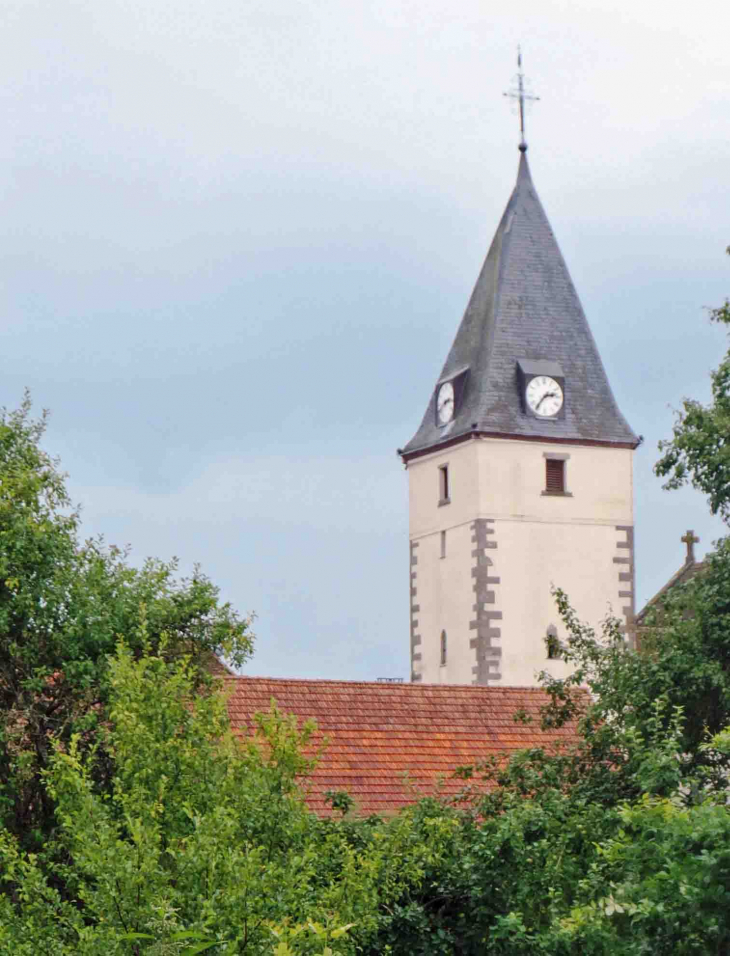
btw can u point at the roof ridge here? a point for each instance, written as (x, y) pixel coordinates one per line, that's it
(387, 684)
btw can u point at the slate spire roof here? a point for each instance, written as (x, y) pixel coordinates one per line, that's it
(524, 307)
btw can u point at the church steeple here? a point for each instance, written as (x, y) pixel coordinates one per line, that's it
(520, 474)
(524, 318)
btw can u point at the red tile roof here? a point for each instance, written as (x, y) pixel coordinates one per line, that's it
(380, 732)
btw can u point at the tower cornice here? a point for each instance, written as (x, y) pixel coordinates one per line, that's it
(508, 436)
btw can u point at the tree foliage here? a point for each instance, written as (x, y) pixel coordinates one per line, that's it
(201, 836)
(64, 604)
(135, 822)
(699, 451)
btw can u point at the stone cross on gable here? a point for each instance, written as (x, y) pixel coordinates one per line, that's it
(690, 539)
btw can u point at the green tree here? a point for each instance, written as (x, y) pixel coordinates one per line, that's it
(201, 841)
(64, 603)
(660, 885)
(173, 836)
(699, 451)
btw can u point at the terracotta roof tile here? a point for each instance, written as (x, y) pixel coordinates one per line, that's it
(382, 733)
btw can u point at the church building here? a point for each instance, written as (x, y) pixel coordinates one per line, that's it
(520, 479)
(520, 473)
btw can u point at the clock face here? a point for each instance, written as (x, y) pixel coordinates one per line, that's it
(445, 403)
(544, 396)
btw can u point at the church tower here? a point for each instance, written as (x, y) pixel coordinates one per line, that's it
(520, 474)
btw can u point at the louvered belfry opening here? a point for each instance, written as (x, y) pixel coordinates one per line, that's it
(554, 476)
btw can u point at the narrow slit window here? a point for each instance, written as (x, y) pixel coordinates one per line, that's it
(444, 484)
(555, 476)
(443, 544)
(443, 648)
(553, 644)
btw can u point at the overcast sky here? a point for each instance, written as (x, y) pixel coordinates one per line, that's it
(238, 238)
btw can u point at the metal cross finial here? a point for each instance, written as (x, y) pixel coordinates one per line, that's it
(690, 539)
(522, 96)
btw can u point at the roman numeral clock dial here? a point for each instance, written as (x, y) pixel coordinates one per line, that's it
(544, 396)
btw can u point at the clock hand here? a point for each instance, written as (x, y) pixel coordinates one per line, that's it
(546, 395)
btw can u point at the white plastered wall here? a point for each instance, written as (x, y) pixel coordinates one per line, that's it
(573, 542)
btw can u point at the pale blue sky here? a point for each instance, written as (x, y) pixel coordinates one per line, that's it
(238, 239)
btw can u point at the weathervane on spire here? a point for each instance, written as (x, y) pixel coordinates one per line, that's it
(522, 96)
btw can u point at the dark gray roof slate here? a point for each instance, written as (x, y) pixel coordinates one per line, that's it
(524, 306)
